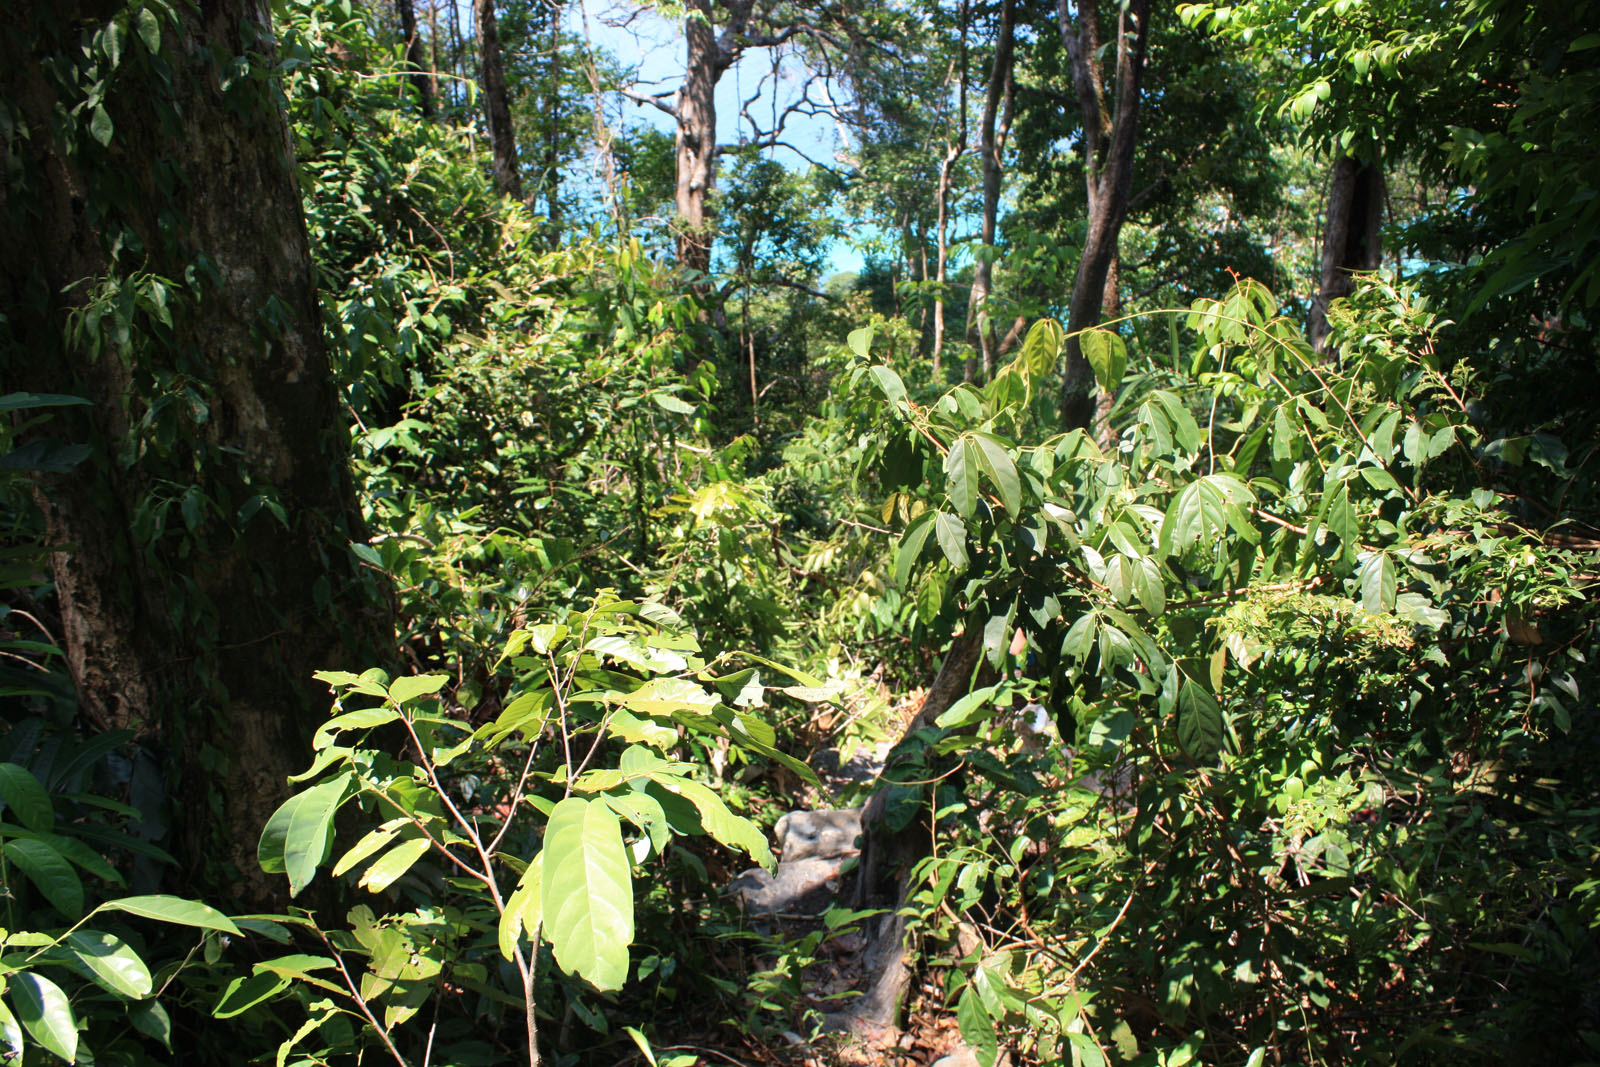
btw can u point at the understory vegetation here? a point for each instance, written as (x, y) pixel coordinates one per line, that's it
(444, 531)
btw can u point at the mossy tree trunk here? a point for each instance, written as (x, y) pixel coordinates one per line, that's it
(158, 265)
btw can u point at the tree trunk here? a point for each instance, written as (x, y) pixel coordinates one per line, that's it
(552, 144)
(159, 267)
(1110, 128)
(433, 50)
(953, 153)
(887, 857)
(420, 77)
(980, 331)
(1350, 237)
(502, 138)
(697, 139)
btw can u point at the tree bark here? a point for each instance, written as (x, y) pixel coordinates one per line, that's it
(420, 77)
(697, 138)
(980, 331)
(191, 613)
(1351, 237)
(502, 137)
(552, 144)
(1110, 129)
(888, 856)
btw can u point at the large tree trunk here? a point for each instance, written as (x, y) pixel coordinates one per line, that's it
(887, 857)
(1350, 237)
(980, 331)
(158, 266)
(1110, 129)
(421, 77)
(502, 138)
(697, 138)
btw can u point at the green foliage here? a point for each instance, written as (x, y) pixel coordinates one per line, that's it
(505, 836)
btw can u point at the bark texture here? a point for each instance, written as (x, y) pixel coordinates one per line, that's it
(421, 77)
(887, 857)
(992, 140)
(1110, 133)
(187, 616)
(1351, 237)
(492, 74)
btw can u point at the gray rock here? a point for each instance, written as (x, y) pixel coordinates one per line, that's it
(801, 887)
(821, 834)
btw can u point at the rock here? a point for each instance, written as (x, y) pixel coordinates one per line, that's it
(821, 834)
(801, 887)
(963, 1056)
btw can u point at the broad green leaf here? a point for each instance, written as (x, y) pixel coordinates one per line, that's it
(732, 830)
(299, 834)
(664, 696)
(10, 1034)
(974, 707)
(151, 1020)
(405, 690)
(45, 1013)
(1341, 521)
(100, 125)
(976, 1026)
(112, 962)
(628, 727)
(1378, 584)
(996, 461)
(645, 812)
(149, 30)
(524, 908)
(369, 845)
(1107, 355)
(1042, 347)
(25, 798)
(890, 384)
(911, 545)
(588, 909)
(961, 476)
(1080, 638)
(174, 910)
(244, 993)
(1199, 721)
(363, 719)
(50, 872)
(860, 341)
(952, 535)
(668, 402)
(394, 863)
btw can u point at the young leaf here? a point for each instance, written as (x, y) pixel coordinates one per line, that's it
(524, 909)
(242, 994)
(396, 862)
(1107, 356)
(588, 911)
(404, 690)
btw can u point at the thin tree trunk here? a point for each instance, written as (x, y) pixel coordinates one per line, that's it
(980, 332)
(420, 77)
(552, 146)
(953, 153)
(1351, 238)
(201, 632)
(697, 139)
(433, 49)
(1110, 129)
(502, 138)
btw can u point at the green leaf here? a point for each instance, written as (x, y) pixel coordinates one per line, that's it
(369, 845)
(1042, 347)
(26, 798)
(860, 341)
(362, 719)
(911, 545)
(664, 696)
(300, 833)
(10, 1034)
(1199, 721)
(405, 690)
(977, 1028)
(890, 385)
(732, 830)
(961, 476)
(1107, 355)
(952, 535)
(524, 910)
(113, 964)
(19, 401)
(149, 30)
(45, 1012)
(996, 461)
(100, 127)
(588, 910)
(668, 402)
(1378, 584)
(174, 910)
(974, 707)
(645, 812)
(45, 868)
(242, 994)
(396, 862)
(151, 1020)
